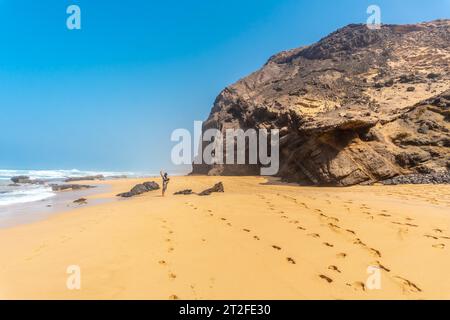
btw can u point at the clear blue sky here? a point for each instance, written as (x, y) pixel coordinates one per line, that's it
(108, 96)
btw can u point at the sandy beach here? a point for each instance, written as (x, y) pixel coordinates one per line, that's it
(261, 239)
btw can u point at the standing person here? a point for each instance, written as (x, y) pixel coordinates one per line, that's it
(165, 181)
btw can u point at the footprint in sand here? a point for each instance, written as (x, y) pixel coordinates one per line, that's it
(329, 218)
(276, 247)
(246, 230)
(65, 239)
(42, 246)
(357, 286)
(314, 235)
(194, 291)
(327, 279)
(384, 215)
(171, 249)
(379, 265)
(375, 252)
(328, 244)
(406, 285)
(174, 297)
(334, 268)
(333, 226)
(341, 255)
(212, 282)
(431, 237)
(172, 276)
(304, 205)
(256, 238)
(439, 246)
(411, 225)
(290, 260)
(336, 220)
(162, 262)
(301, 228)
(438, 230)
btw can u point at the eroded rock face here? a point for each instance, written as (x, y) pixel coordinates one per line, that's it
(359, 106)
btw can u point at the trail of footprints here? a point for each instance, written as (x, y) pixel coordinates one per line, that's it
(333, 223)
(435, 234)
(165, 263)
(210, 213)
(170, 248)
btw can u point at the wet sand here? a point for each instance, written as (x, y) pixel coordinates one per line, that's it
(24, 213)
(259, 240)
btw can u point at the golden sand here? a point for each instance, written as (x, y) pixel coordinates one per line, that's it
(259, 240)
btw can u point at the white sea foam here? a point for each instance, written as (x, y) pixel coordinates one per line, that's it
(29, 193)
(59, 174)
(25, 194)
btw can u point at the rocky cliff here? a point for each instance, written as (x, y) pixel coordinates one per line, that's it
(359, 106)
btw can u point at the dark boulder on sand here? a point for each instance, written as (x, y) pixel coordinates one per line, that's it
(81, 201)
(140, 189)
(218, 187)
(151, 186)
(184, 192)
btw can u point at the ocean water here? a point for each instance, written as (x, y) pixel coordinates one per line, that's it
(12, 195)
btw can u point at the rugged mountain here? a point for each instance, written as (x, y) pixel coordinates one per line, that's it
(359, 106)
